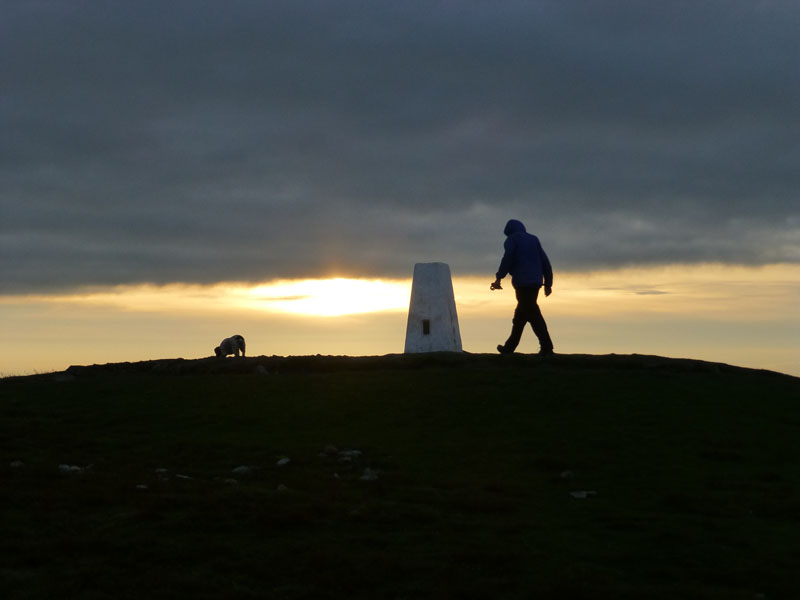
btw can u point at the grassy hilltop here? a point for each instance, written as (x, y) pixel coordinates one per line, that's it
(431, 476)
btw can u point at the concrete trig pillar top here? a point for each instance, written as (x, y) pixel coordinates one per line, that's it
(432, 318)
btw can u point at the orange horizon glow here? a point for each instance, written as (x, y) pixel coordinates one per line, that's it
(748, 316)
(702, 290)
(334, 297)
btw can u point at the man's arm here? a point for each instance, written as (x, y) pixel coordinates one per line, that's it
(547, 270)
(507, 260)
(505, 264)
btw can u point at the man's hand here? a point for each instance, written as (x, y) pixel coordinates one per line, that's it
(548, 290)
(496, 285)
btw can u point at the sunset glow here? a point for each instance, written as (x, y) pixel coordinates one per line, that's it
(331, 297)
(748, 316)
(310, 297)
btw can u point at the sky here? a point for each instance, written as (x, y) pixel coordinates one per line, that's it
(202, 149)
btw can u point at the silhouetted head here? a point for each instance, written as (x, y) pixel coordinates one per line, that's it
(514, 226)
(218, 351)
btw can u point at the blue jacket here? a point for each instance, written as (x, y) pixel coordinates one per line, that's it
(524, 258)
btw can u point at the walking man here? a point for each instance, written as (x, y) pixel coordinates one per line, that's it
(526, 261)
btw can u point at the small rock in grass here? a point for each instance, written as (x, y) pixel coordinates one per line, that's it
(329, 450)
(242, 470)
(582, 494)
(142, 486)
(284, 461)
(349, 455)
(566, 475)
(16, 464)
(369, 475)
(282, 488)
(179, 476)
(231, 481)
(357, 511)
(70, 469)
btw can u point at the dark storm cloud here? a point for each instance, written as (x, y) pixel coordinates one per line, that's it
(207, 141)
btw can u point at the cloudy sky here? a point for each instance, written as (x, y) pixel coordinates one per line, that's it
(166, 167)
(205, 141)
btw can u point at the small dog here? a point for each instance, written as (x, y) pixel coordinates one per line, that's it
(231, 345)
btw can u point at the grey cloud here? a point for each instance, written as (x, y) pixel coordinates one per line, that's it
(207, 141)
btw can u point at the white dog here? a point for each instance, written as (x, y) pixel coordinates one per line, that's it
(230, 345)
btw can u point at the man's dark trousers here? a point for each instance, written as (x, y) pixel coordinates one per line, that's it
(528, 311)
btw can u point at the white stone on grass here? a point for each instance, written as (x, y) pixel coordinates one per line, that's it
(583, 494)
(70, 469)
(329, 450)
(369, 475)
(349, 455)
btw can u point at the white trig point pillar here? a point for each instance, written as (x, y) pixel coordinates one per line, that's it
(432, 318)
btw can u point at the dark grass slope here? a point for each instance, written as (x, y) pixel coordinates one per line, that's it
(472, 464)
(320, 364)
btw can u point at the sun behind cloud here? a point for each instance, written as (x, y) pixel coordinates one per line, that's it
(307, 297)
(331, 297)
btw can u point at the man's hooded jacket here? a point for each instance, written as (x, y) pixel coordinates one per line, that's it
(524, 258)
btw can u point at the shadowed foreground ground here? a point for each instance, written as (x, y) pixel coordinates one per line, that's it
(429, 476)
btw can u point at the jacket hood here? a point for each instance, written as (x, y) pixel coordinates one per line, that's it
(514, 226)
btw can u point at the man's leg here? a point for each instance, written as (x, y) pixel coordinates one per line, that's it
(540, 329)
(528, 298)
(517, 327)
(535, 318)
(518, 322)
